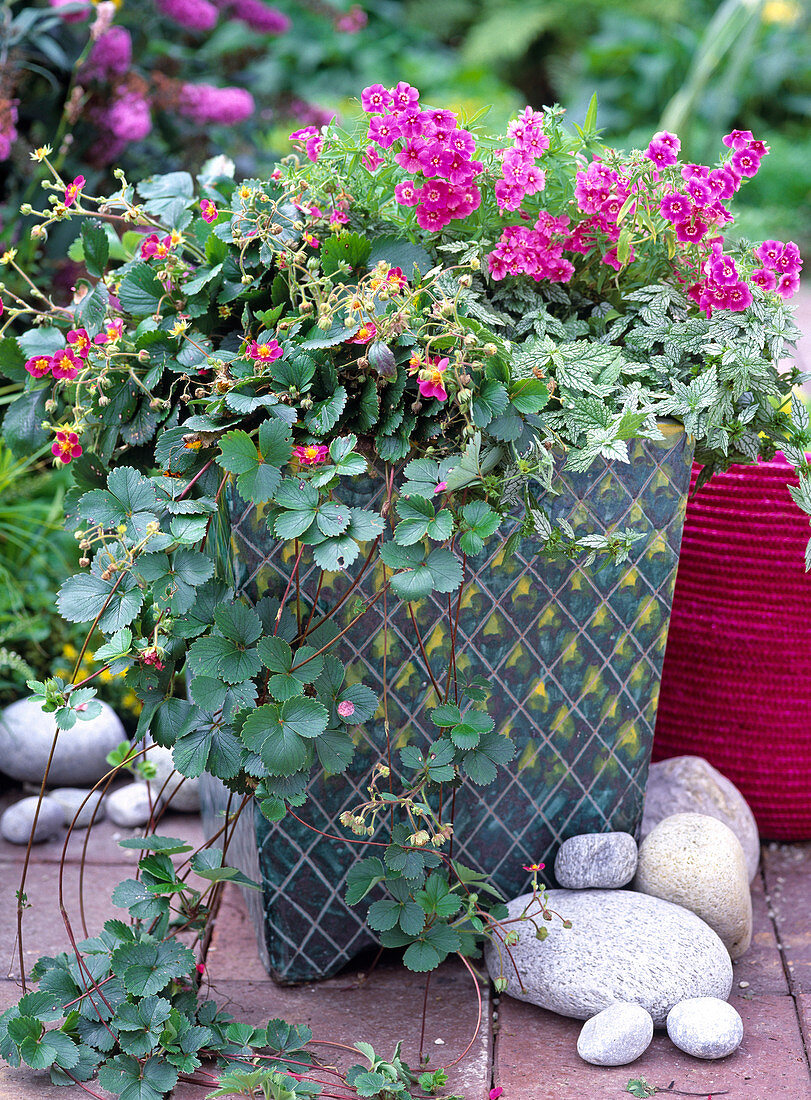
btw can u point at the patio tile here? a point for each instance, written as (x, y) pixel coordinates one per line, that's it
(43, 930)
(762, 965)
(536, 1058)
(787, 869)
(381, 1009)
(102, 845)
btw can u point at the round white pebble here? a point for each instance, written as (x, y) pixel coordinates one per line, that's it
(705, 1027)
(616, 1036)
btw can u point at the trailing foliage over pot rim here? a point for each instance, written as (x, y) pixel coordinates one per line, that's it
(456, 316)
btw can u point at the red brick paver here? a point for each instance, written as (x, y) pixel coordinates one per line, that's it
(529, 1052)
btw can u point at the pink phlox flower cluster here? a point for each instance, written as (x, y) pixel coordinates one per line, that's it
(8, 127)
(601, 192)
(311, 140)
(197, 15)
(723, 287)
(111, 55)
(663, 149)
(259, 17)
(521, 175)
(537, 252)
(431, 145)
(780, 270)
(205, 103)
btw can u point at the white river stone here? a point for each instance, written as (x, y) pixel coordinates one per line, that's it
(80, 757)
(16, 822)
(616, 1036)
(705, 1027)
(602, 861)
(696, 861)
(690, 784)
(71, 799)
(622, 946)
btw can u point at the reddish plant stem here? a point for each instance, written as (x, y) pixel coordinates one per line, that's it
(332, 836)
(345, 630)
(427, 663)
(456, 1061)
(195, 479)
(355, 582)
(294, 573)
(424, 1014)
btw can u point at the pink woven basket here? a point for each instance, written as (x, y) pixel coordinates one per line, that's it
(736, 686)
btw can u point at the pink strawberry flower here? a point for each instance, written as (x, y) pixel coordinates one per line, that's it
(65, 365)
(153, 245)
(39, 365)
(66, 447)
(208, 210)
(73, 190)
(266, 352)
(79, 342)
(366, 333)
(111, 333)
(431, 383)
(314, 454)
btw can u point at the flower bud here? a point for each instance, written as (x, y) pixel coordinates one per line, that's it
(465, 281)
(500, 984)
(143, 356)
(475, 263)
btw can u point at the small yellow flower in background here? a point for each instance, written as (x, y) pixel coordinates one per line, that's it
(8, 256)
(176, 238)
(41, 153)
(781, 11)
(178, 328)
(70, 651)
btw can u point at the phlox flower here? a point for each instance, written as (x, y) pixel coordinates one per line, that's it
(66, 446)
(737, 139)
(745, 162)
(663, 149)
(313, 454)
(376, 98)
(73, 190)
(79, 342)
(788, 284)
(371, 159)
(38, 365)
(208, 210)
(65, 365)
(264, 353)
(383, 130)
(404, 97)
(764, 278)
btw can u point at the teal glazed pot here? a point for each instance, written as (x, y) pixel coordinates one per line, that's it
(574, 655)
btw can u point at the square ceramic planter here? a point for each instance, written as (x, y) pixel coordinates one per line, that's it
(574, 655)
